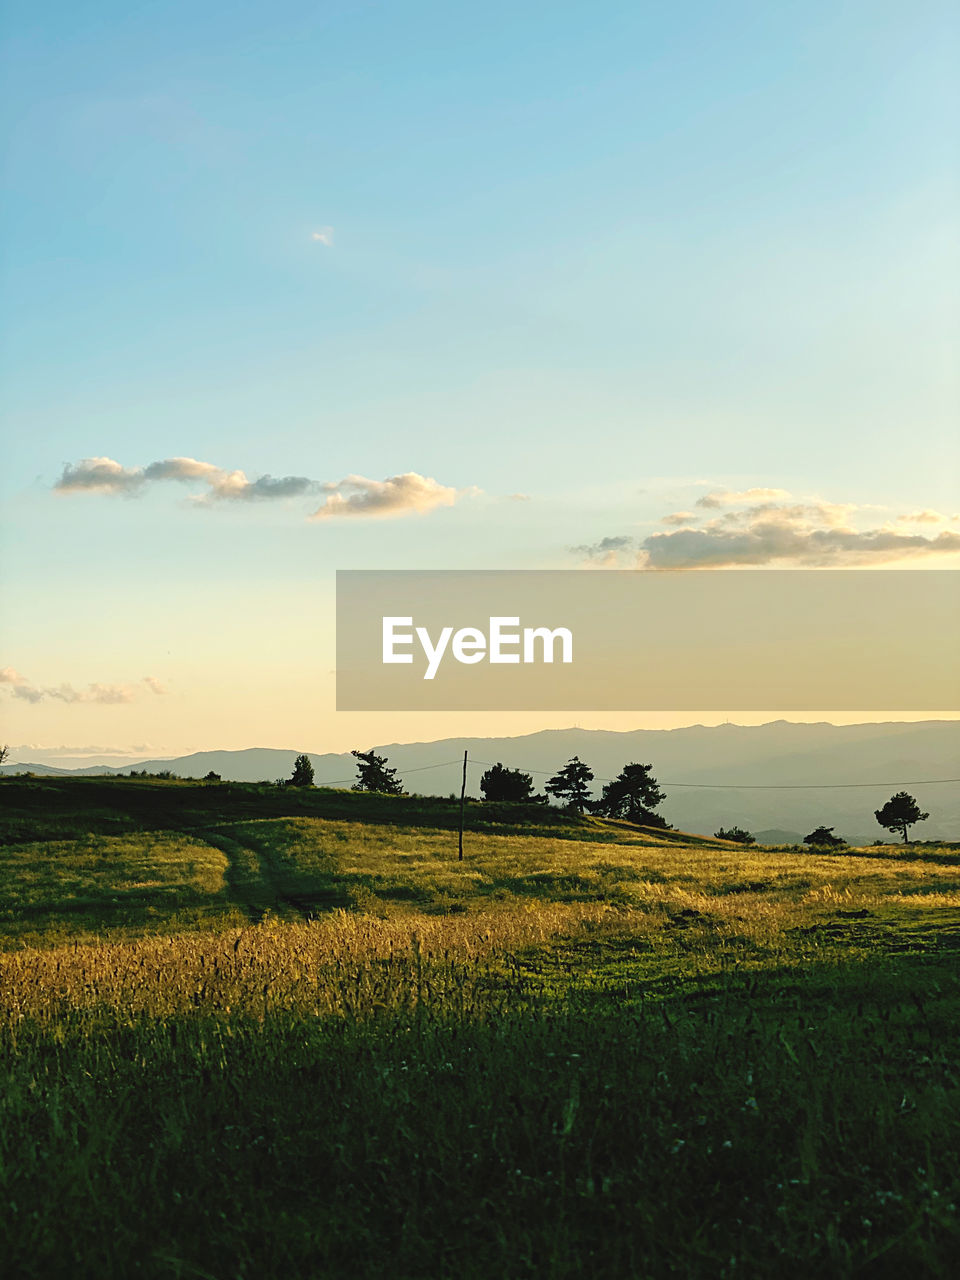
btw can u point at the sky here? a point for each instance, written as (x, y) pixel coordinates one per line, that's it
(289, 288)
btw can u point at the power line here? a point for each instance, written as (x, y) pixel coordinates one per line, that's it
(765, 786)
(418, 769)
(703, 786)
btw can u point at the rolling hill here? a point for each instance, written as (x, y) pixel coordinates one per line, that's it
(714, 775)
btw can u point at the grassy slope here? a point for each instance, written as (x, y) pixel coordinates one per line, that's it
(587, 1050)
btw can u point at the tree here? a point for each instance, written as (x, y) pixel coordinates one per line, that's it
(736, 834)
(899, 813)
(302, 772)
(572, 784)
(633, 794)
(824, 837)
(4, 754)
(212, 777)
(501, 783)
(375, 775)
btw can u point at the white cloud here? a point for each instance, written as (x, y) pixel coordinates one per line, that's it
(108, 694)
(20, 685)
(396, 496)
(104, 475)
(729, 497)
(182, 469)
(354, 495)
(323, 235)
(757, 527)
(815, 534)
(99, 475)
(234, 486)
(606, 553)
(925, 517)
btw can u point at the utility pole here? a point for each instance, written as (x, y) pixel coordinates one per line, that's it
(463, 794)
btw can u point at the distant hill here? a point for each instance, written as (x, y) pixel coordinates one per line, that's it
(702, 768)
(776, 835)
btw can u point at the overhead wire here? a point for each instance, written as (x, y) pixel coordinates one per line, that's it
(703, 786)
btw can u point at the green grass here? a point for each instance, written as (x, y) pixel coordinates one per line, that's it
(60, 890)
(287, 1035)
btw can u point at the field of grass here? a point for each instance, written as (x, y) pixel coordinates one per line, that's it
(250, 1033)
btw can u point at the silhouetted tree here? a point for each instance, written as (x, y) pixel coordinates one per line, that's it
(633, 794)
(4, 753)
(736, 834)
(571, 784)
(501, 783)
(375, 775)
(899, 813)
(824, 837)
(212, 777)
(302, 775)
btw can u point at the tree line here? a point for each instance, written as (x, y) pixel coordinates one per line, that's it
(633, 795)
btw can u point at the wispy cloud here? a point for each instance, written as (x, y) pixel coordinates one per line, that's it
(323, 235)
(20, 686)
(607, 552)
(727, 497)
(354, 496)
(406, 494)
(108, 694)
(927, 517)
(756, 527)
(104, 475)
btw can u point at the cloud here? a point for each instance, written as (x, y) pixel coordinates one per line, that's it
(37, 752)
(181, 469)
(749, 528)
(605, 553)
(323, 235)
(678, 517)
(104, 475)
(354, 495)
(816, 534)
(396, 496)
(925, 517)
(235, 485)
(20, 685)
(99, 475)
(728, 497)
(104, 693)
(108, 694)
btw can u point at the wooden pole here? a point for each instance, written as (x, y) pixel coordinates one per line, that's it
(463, 794)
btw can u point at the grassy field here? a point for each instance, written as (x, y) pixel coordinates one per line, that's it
(249, 1032)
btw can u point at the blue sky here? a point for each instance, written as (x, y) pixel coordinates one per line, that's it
(610, 257)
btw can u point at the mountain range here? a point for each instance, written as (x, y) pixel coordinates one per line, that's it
(714, 775)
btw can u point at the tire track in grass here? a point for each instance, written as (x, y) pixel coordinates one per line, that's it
(252, 880)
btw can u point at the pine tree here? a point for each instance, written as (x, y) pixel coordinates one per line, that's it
(824, 837)
(633, 794)
(375, 775)
(736, 834)
(572, 784)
